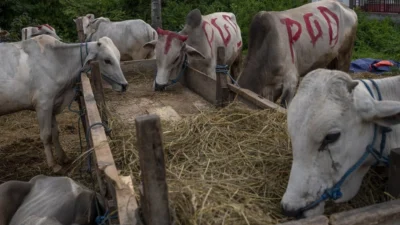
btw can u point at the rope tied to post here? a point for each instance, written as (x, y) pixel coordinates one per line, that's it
(225, 70)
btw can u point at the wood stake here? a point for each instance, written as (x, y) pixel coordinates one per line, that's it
(222, 95)
(154, 201)
(394, 173)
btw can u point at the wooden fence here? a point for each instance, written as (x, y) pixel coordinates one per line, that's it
(154, 207)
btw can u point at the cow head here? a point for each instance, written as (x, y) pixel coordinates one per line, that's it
(108, 56)
(331, 122)
(170, 50)
(86, 20)
(39, 30)
(93, 25)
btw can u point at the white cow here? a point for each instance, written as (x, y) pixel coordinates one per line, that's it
(198, 41)
(40, 74)
(286, 45)
(29, 32)
(48, 200)
(331, 123)
(129, 35)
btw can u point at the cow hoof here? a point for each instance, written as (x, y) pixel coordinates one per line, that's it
(57, 168)
(65, 160)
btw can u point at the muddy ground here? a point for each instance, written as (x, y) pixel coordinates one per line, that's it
(21, 149)
(22, 152)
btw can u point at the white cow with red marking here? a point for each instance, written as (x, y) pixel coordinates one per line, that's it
(29, 32)
(286, 45)
(197, 43)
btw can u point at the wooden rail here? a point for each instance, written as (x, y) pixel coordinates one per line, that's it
(387, 213)
(123, 191)
(118, 190)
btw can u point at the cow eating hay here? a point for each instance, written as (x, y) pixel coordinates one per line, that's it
(228, 167)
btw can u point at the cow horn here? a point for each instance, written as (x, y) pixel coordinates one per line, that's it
(160, 31)
(183, 38)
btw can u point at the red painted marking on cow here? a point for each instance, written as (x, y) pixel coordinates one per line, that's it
(228, 19)
(170, 35)
(314, 37)
(239, 44)
(227, 39)
(324, 11)
(292, 38)
(46, 25)
(209, 39)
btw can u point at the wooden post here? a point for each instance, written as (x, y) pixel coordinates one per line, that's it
(222, 95)
(99, 93)
(156, 14)
(79, 29)
(394, 173)
(154, 201)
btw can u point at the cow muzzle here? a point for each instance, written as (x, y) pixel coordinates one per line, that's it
(291, 212)
(158, 87)
(124, 87)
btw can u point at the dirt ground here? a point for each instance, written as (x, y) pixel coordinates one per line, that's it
(21, 149)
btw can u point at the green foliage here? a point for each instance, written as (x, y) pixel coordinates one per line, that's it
(375, 39)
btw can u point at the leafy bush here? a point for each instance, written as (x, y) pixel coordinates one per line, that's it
(375, 39)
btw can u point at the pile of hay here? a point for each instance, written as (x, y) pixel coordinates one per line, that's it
(229, 166)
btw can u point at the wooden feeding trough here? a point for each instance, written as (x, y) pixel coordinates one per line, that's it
(154, 197)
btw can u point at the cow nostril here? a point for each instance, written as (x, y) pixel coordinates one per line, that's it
(290, 212)
(158, 87)
(124, 87)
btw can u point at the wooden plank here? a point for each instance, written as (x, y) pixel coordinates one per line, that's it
(200, 84)
(317, 220)
(222, 94)
(79, 29)
(98, 92)
(147, 66)
(154, 202)
(383, 213)
(127, 204)
(103, 155)
(394, 173)
(256, 99)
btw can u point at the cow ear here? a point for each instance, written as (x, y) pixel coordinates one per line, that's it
(384, 113)
(192, 52)
(89, 58)
(193, 19)
(74, 20)
(150, 45)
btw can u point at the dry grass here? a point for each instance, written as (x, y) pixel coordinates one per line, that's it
(229, 166)
(226, 166)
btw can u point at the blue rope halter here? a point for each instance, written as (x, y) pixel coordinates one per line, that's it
(334, 192)
(181, 72)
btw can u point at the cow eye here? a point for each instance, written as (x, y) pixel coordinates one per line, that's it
(107, 61)
(329, 139)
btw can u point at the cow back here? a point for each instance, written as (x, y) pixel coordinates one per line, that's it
(59, 198)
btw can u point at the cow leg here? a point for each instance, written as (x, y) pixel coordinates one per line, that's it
(236, 66)
(45, 123)
(60, 154)
(289, 88)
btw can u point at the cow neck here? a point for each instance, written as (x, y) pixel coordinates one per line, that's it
(389, 91)
(71, 56)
